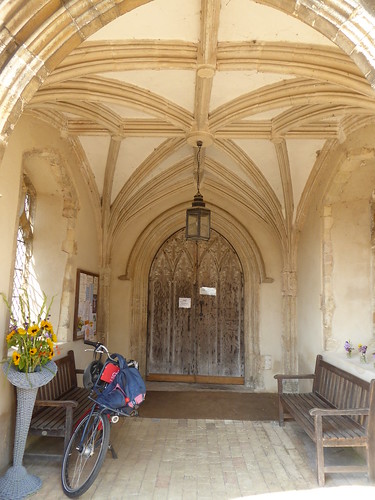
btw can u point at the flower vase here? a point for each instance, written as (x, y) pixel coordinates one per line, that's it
(17, 483)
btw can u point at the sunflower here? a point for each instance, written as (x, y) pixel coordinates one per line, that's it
(46, 325)
(16, 358)
(34, 340)
(10, 335)
(33, 330)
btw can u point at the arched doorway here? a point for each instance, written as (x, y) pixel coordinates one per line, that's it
(195, 312)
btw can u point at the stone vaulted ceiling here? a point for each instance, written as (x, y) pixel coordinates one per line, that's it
(268, 95)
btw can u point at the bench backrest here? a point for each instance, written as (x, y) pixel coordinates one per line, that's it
(64, 380)
(340, 388)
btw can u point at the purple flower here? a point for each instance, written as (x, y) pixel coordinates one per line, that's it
(362, 348)
(348, 346)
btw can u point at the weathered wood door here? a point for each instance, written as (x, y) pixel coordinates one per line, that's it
(195, 312)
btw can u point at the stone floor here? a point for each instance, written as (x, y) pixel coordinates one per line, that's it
(208, 459)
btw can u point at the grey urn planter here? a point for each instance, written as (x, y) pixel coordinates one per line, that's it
(17, 483)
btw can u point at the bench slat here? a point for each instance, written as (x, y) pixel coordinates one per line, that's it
(334, 427)
(58, 421)
(53, 419)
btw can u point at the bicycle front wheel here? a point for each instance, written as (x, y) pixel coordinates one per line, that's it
(85, 454)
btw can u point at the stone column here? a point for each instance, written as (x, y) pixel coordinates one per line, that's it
(372, 264)
(327, 300)
(102, 326)
(289, 294)
(69, 246)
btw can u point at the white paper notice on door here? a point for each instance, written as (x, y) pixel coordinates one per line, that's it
(206, 290)
(184, 302)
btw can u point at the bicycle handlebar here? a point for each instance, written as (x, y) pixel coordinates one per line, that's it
(94, 344)
(99, 348)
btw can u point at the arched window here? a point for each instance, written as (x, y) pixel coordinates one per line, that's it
(23, 275)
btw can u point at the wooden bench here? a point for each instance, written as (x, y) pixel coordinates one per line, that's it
(60, 403)
(339, 412)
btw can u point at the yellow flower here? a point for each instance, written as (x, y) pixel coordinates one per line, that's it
(33, 351)
(10, 335)
(50, 343)
(16, 358)
(21, 331)
(33, 330)
(54, 338)
(46, 325)
(51, 354)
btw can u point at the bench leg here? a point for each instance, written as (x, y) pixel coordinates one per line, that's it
(281, 409)
(319, 449)
(281, 414)
(68, 426)
(371, 464)
(112, 450)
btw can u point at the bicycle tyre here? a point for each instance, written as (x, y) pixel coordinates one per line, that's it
(81, 468)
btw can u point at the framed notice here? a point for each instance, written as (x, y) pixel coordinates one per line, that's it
(184, 302)
(86, 304)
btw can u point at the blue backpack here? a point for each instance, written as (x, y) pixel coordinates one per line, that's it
(127, 389)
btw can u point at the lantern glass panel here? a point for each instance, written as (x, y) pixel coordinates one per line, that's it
(197, 224)
(192, 224)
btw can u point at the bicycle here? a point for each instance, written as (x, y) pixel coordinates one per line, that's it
(89, 443)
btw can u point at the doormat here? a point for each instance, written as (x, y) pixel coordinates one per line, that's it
(216, 405)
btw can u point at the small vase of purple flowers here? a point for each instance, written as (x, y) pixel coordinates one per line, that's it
(348, 346)
(362, 349)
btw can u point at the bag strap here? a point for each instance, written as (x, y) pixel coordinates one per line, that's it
(121, 361)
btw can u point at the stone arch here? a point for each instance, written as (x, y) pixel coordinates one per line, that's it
(347, 25)
(138, 266)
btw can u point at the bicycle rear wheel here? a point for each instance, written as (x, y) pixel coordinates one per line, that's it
(85, 454)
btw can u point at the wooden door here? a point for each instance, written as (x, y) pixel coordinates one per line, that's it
(195, 312)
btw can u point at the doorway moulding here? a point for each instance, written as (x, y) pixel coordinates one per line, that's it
(137, 271)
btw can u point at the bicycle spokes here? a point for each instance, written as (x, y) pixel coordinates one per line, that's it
(85, 454)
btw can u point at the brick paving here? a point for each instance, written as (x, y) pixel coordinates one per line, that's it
(165, 459)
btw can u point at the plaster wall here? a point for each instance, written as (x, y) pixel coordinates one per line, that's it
(270, 317)
(9, 184)
(352, 272)
(335, 265)
(47, 242)
(54, 266)
(309, 287)
(270, 333)
(351, 235)
(120, 317)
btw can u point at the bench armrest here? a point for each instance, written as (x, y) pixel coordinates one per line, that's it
(329, 412)
(280, 376)
(57, 403)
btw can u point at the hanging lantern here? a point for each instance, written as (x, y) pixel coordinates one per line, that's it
(198, 218)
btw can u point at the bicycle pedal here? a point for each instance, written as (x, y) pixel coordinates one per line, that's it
(115, 419)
